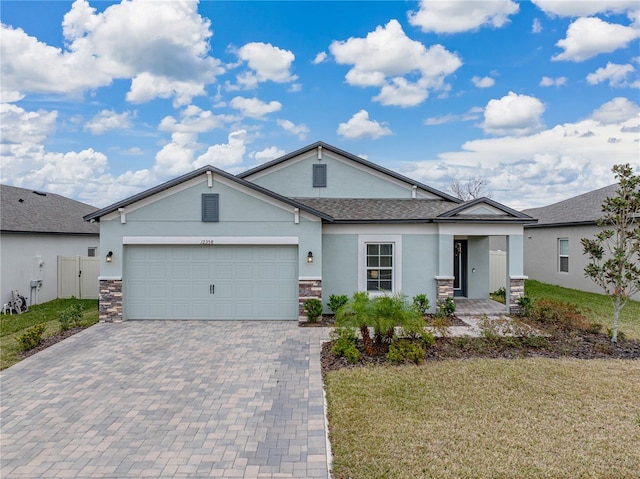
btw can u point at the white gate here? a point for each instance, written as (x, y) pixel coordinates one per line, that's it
(78, 276)
(497, 270)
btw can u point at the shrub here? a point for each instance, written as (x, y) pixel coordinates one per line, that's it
(440, 324)
(447, 307)
(525, 304)
(405, 351)
(421, 303)
(313, 308)
(70, 317)
(32, 337)
(345, 344)
(559, 315)
(336, 301)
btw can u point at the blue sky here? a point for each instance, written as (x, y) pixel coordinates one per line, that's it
(101, 100)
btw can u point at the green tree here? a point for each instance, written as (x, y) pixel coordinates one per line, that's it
(614, 254)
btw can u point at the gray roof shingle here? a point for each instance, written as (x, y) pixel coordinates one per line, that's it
(28, 211)
(582, 209)
(363, 209)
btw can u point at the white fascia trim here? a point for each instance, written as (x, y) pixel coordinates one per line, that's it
(397, 260)
(211, 240)
(109, 278)
(475, 229)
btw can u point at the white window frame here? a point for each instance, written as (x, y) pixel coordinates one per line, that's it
(560, 255)
(396, 269)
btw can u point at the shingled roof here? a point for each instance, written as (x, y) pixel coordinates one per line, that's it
(389, 210)
(583, 209)
(28, 211)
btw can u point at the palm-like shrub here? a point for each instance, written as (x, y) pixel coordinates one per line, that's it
(357, 313)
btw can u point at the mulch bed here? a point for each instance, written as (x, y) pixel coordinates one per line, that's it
(50, 341)
(327, 321)
(562, 344)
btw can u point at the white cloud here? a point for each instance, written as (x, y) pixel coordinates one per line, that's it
(254, 108)
(166, 55)
(590, 36)
(455, 16)
(320, 58)
(301, 130)
(268, 63)
(268, 154)
(224, 155)
(513, 114)
(617, 110)
(547, 166)
(613, 73)
(386, 55)
(536, 27)
(133, 151)
(484, 82)
(360, 126)
(472, 114)
(571, 8)
(20, 126)
(108, 120)
(548, 81)
(194, 120)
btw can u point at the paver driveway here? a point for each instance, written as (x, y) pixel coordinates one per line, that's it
(179, 399)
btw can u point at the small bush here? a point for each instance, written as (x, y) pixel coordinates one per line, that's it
(405, 351)
(559, 315)
(421, 303)
(525, 304)
(447, 307)
(313, 308)
(441, 324)
(70, 317)
(32, 337)
(336, 301)
(345, 344)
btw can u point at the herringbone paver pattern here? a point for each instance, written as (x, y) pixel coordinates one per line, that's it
(168, 400)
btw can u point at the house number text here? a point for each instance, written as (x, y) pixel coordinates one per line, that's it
(207, 242)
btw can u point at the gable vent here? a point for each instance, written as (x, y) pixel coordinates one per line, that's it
(210, 207)
(319, 176)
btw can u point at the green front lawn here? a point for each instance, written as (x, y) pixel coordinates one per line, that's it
(596, 306)
(484, 418)
(13, 326)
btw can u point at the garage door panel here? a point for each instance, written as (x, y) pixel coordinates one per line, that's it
(173, 282)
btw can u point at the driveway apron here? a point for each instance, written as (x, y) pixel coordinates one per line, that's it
(168, 399)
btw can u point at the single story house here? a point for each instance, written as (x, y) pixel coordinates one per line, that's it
(315, 222)
(553, 252)
(35, 228)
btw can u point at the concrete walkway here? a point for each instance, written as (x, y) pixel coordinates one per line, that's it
(168, 400)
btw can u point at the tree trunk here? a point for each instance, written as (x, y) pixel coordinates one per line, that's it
(616, 320)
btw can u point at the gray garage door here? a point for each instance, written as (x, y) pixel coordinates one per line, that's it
(210, 282)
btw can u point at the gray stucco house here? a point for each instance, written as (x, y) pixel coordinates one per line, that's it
(35, 228)
(553, 252)
(315, 222)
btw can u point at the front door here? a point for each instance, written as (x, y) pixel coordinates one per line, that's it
(460, 267)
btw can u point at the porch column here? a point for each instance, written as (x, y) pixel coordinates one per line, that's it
(444, 288)
(515, 269)
(110, 302)
(444, 279)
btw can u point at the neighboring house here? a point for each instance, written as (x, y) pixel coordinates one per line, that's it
(553, 252)
(35, 228)
(316, 222)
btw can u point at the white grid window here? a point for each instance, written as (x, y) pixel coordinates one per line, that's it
(380, 267)
(563, 255)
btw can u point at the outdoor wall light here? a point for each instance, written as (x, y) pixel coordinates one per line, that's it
(109, 257)
(310, 257)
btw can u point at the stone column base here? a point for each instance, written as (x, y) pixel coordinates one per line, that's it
(308, 288)
(444, 288)
(516, 291)
(110, 302)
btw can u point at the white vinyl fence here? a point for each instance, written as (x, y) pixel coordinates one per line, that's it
(78, 276)
(497, 270)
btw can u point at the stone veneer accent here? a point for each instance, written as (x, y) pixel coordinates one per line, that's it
(110, 309)
(444, 289)
(308, 288)
(516, 290)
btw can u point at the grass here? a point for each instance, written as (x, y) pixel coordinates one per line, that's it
(525, 418)
(14, 325)
(596, 306)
